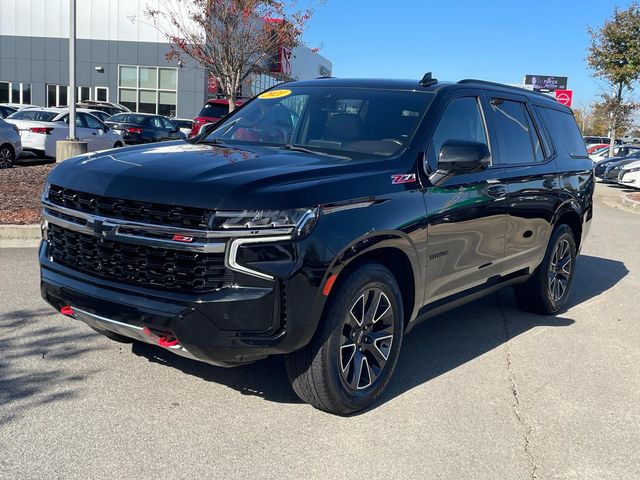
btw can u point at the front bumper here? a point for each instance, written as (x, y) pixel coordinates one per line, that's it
(229, 327)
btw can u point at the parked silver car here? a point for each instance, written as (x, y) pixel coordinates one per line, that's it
(10, 144)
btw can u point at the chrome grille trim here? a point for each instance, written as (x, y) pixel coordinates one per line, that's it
(116, 230)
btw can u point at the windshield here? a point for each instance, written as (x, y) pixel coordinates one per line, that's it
(352, 122)
(37, 115)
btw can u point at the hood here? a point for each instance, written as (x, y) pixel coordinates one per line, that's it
(629, 166)
(217, 177)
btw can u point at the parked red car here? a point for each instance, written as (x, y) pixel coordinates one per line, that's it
(212, 111)
(593, 148)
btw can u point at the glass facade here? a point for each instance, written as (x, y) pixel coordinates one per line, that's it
(148, 89)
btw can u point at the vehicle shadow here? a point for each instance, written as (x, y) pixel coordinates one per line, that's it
(33, 371)
(433, 348)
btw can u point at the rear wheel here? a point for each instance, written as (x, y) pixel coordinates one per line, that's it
(349, 362)
(7, 156)
(547, 291)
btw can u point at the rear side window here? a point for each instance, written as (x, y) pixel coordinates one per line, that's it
(36, 115)
(564, 131)
(518, 140)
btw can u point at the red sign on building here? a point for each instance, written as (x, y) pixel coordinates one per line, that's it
(564, 97)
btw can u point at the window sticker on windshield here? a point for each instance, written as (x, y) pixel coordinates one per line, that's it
(274, 94)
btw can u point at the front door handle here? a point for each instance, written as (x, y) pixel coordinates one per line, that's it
(497, 191)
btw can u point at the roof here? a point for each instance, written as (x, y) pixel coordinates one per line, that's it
(414, 85)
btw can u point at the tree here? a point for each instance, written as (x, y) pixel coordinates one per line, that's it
(614, 55)
(231, 38)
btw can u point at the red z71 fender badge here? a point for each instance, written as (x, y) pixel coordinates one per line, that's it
(403, 178)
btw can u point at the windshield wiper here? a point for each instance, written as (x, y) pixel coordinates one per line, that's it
(296, 148)
(212, 141)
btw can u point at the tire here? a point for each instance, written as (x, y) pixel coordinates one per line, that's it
(344, 369)
(7, 156)
(113, 336)
(548, 289)
(118, 145)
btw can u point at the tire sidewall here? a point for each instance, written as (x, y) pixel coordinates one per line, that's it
(370, 276)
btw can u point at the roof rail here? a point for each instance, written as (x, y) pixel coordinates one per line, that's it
(503, 85)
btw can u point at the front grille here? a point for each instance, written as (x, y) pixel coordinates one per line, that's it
(182, 271)
(145, 212)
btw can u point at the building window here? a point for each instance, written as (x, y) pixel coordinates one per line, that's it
(15, 92)
(58, 95)
(148, 89)
(84, 94)
(102, 94)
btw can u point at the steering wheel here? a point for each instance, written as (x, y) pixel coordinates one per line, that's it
(394, 140)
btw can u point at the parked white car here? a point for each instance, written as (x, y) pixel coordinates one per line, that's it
(10, 144)
(184, 125)
(618, 151)
(41, 128)
(629, 176)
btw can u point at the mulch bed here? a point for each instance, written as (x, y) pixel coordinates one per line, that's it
(635, 196)
(20, 190)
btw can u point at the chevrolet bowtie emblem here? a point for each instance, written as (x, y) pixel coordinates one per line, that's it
(101, 228)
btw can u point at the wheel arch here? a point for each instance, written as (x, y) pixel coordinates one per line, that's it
(392, 251)
(570, 213)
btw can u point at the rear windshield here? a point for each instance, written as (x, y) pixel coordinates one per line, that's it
(350, 122)
(37, 115)
(564, 131)
(129, 118)
(214, 110)
(596, 140)
(182, 123)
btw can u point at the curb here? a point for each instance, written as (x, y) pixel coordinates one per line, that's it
(20, 232)
(628, 202)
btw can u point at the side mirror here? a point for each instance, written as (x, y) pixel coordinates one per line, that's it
(462, 156)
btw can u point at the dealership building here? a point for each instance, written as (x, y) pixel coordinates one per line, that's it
(120, 58)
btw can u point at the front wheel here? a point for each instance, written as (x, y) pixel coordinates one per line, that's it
(350, 360)
(547, 291)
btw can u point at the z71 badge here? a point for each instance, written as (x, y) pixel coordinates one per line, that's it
(403, 178)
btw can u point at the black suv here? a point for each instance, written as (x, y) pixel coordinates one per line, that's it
(322, 220)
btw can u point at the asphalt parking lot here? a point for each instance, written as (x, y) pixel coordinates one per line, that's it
(483, 392)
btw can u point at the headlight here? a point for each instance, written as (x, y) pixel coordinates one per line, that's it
(299, 220)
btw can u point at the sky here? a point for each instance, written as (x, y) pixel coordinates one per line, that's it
(495, 40)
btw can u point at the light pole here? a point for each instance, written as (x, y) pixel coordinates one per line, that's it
(72, 70)
(72, 146)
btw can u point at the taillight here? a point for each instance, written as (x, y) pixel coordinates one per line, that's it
(134, 130)
(43, 130)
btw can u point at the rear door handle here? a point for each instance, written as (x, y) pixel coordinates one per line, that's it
(497, 191)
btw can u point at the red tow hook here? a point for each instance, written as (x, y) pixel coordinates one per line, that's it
(164, 341)
(67, 310)
(168, 342)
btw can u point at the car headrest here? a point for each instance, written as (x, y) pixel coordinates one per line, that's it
(344, 126)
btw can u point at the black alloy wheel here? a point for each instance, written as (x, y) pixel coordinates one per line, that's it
(560, 270)
(367, 338)
(7, 156)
